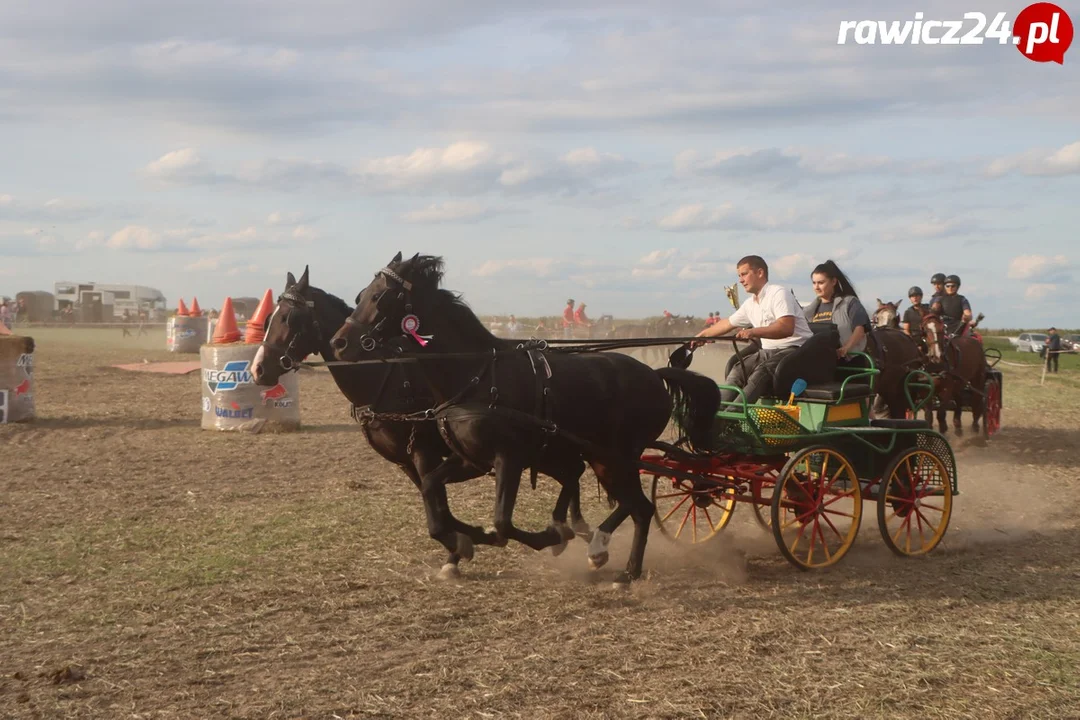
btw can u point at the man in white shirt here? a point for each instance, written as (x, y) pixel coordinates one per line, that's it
(771, 314)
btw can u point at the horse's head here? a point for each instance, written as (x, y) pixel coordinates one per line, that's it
(934, 331)
(887, 314)
(389, 307)
(291, 332)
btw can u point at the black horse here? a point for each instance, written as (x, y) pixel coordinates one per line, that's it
(507, 407)
(301, 325)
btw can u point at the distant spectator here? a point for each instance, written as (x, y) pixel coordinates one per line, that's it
(568, 319)
(711, 320)
(512, 326)
(1053, 349)
(5, 314)
(580, 318)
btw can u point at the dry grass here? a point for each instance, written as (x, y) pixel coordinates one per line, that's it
(150, 569)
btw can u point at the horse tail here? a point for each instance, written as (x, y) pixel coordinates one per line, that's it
(696, 400)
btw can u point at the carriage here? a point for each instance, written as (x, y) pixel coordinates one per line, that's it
(807, 464)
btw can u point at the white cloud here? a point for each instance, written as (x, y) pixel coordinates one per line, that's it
(789, 265)
(698, 217)
(278, 218)
(1039, 291)
(1026, 267)
(461, 168)
(449, 212)
(134, 237)
(305, 233)
(786, 165)
(93, 239)
(1039, 163)
(52, 210)
(181, 166)
(537, 267)
(658, 256)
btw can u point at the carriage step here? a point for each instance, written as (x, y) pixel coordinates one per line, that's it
(900, 424)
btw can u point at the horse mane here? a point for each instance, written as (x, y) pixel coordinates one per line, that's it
(426, 273)
(337, 303)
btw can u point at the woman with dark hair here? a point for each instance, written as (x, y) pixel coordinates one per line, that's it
(839, 304)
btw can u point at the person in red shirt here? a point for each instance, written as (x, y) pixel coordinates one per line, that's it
(581, 319)
(568, 319)
(711, 320)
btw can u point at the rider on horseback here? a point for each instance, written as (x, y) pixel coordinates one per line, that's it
(952, 306)
(938, 283)
(912, 321)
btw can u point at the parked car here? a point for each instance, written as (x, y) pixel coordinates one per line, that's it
(1029, 342)
(1070, 343)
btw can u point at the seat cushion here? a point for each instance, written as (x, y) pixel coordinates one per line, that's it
(830, 392)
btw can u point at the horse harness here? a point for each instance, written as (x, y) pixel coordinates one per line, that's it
(286, 360)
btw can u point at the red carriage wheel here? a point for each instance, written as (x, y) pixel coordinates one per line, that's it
(816, 508)
(691, 512)
(916, 505)
(991, 408)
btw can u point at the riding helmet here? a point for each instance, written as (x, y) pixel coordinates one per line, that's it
(915, 290)
(953, 280)
(938, 278)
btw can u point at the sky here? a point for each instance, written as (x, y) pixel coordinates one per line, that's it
(624, 154)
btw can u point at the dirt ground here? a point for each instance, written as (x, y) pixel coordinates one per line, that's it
(151, 569)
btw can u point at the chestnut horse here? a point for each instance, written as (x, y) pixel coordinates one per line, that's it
(887, 314)
(957, 363)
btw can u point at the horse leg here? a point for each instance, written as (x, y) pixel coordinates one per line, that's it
(450, 567)
(426, 461)
(507, 482)
(569, 476)
(626, 487)
(442, 525)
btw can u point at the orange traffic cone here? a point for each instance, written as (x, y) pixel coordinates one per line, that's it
(226, 330)
(181, 308)
(195, 311)
(255, 330)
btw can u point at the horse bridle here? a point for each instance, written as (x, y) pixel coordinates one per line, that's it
(286, 360)
(374, 338)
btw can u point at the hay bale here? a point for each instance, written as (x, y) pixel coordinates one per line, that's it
(232, 401)
(187, 333)
(16, 379)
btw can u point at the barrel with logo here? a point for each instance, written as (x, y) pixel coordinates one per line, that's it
(188, 333)
(232, 401)
(16, 379)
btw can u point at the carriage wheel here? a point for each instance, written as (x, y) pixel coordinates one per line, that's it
(991, 408)
(689, 515)
(816, 508)
(914, 511)
(763, 491)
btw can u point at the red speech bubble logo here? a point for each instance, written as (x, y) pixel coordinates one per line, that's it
(1043, 32)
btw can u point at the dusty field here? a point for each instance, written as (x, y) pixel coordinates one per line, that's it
(149, 569)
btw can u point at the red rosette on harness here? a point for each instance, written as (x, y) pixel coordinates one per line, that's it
(409, 325)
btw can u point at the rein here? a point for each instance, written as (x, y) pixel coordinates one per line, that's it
(569, 347)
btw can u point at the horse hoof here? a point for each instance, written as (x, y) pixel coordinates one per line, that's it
(465, 546)
(449, 571)
(598, 561)
(566, 534)
(582, 530)
(622, 581)
(557, 550)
